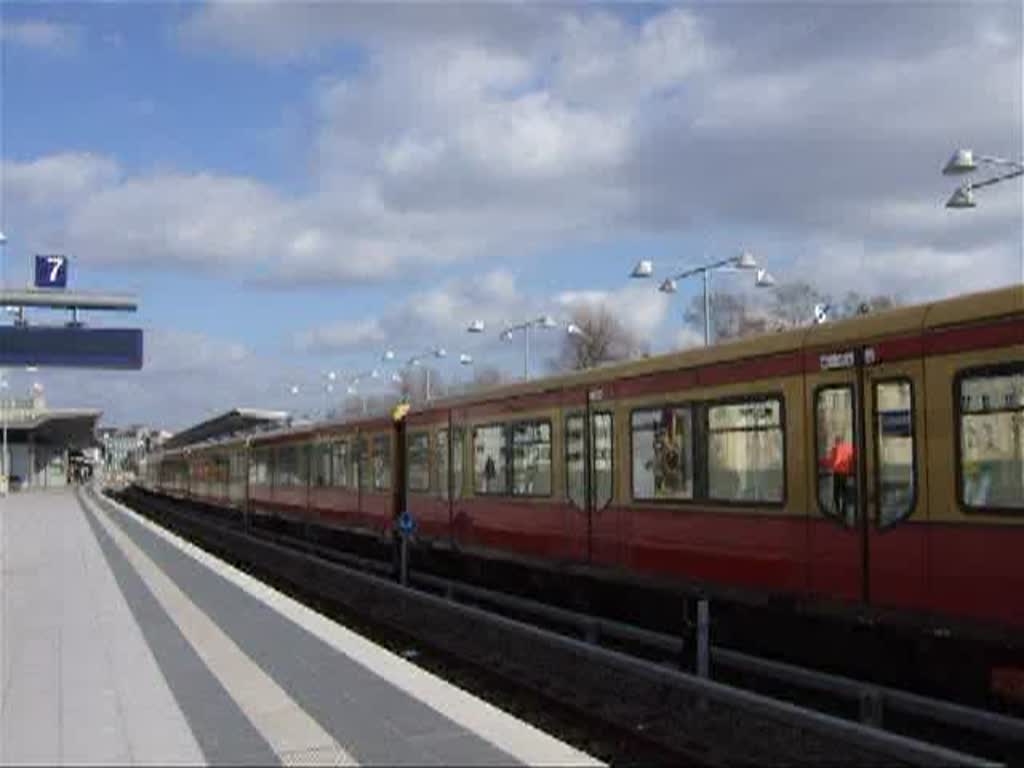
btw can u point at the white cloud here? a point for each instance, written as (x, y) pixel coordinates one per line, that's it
(346, 336)
(40, 35)
(479, 132)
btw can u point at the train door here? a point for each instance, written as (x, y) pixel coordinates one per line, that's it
(589, 456)
(837, 535)
(399, 480)
(896, 506)
(460, 469)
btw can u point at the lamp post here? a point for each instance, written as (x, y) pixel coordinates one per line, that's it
(963, 162)
(544, 322)
(742, 263)
(435, 352)
(3, 384)
(329, 378)
(3, 451)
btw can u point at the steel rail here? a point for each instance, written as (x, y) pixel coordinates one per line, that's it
(890, 745)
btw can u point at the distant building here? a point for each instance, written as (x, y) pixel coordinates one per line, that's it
(123, 447)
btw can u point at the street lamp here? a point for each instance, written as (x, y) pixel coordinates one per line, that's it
(963, 162)
(435, 352)
(744, 262)
(544, 322)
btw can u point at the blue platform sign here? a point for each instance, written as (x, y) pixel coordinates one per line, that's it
(62, 347)
(51, 271)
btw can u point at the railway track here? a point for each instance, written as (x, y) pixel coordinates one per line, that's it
(625, 691)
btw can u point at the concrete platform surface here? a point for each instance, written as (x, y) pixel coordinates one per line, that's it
(120, 643)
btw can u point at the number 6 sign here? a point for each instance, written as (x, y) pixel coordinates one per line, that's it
(51, 271)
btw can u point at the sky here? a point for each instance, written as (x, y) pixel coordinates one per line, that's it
(291, 188)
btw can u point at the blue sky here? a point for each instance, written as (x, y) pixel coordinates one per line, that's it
(293, 187)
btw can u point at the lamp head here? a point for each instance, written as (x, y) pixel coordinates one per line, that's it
(668, 286)
(465, 359)
(440, 352)
(3, 239)
(506, 335)
(477, 326)
(765, 279)
(643, 268)
(547, 321)
(963, 197)
(746, 260)
(388, 355)
(961, 162)
(574, 330)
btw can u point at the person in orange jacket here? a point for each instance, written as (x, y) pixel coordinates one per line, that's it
(841, 461)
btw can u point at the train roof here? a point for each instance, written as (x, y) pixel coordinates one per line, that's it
(900, 321)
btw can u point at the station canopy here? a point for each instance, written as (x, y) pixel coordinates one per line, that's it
(237, 421)
(74, 428)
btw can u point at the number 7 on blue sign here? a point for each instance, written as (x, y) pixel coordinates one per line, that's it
(51, 271)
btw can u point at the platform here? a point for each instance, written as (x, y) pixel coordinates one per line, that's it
(123, 644)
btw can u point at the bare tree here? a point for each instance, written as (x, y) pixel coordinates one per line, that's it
(603, 339)
(733, 316)
(793, 304)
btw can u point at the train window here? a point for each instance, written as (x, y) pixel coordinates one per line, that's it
(285, 466)
(381, 462)
(575, 470)
(321, 474)
(489, 464)
(362, 466)
(894, 436)
(419, 462)
(836, 457)
(531, 458)
(341, 464)
(458, 449)
(745, 455)
(663, 453)
(441, 463)
(259, 469)
(302, 461)
(992, 439)
(604, 457)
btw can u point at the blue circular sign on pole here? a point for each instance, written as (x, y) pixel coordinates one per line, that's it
(406, 523)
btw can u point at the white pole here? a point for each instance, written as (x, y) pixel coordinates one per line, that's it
(526, 352)
(707, 308)
(3, 381)
(3, 452)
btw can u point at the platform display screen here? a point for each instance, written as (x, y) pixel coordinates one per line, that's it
(64, 347)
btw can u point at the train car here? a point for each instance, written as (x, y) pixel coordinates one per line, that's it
(874, 464)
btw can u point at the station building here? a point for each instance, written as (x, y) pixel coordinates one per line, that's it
(43, 444)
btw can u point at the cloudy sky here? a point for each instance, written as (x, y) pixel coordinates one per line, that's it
(293, 187)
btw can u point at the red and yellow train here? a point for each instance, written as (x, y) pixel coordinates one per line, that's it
(875, 464)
